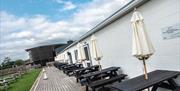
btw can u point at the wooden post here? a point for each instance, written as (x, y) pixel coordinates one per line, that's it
(145, 69)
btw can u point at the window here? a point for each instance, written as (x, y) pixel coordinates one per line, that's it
(76, 54)
(86, 52)
(70, 57)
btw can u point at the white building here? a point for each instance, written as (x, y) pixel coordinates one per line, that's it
(162, 18)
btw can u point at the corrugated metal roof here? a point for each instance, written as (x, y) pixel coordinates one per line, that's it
(51, 45)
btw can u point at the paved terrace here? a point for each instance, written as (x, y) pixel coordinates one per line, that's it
(57, 81)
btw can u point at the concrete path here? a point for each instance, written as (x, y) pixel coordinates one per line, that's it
(57, 81)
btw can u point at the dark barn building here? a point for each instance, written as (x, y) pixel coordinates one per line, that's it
(43, 54)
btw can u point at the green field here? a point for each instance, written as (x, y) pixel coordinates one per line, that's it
(25, 82)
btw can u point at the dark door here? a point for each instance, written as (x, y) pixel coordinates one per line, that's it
(70, 57)
(87, 54)
(76, 55)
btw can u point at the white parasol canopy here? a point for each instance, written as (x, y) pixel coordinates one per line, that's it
(65, 57)
(81, 54)
(96, 53)
(142, 47)
(62, 57)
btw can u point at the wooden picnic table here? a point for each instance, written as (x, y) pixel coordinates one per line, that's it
(157, 78)
(110, 70)
(70, 69)
(59, 65)
(99, 75)
(64, 67)
(86, 70)
(4, 83)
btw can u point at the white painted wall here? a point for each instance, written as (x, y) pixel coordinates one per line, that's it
(115, 40)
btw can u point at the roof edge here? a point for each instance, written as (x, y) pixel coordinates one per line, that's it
(112, 18)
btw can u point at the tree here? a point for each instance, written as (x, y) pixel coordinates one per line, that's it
(19, 62)
(6, 60)
(7, 63)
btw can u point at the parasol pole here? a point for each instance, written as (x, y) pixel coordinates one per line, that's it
(97, 59)
(99, 64)
(145, 69)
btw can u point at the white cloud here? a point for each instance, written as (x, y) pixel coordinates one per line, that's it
(19, 33)
(23, 34)
(69, 6)
(10, 23)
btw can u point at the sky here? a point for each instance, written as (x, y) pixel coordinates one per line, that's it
(29, 23)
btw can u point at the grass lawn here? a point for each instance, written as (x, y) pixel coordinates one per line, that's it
(25, 82)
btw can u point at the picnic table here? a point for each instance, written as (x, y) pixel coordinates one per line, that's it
(70, 69)
(67, 66)
(98, 78)
(59, 65)
(86, 70)
(16, 75)
(111, 71)
(157, 78)
(5, 81)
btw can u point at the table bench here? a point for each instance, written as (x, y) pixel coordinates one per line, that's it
(70, 69)
(10, 79)
(60, 65)
(64, 67)
(4, 84)
(177, 89)
(87, 79)
(156, 79)
(103, 82)
(6, 81)
(86, 70)
(110, 70)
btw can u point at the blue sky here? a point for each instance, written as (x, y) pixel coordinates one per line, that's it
(30, 23)
(51, 8)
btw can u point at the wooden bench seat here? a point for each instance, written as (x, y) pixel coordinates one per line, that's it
(70, 72)
(71, 68)
(103, 82)
(83, 71)
(4, 85)
(10, 79)
(155, 80)
(177, 89)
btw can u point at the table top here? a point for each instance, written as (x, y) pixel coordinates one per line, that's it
(100, 72)
(87, 68)
(72, 65)
(139, 83)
